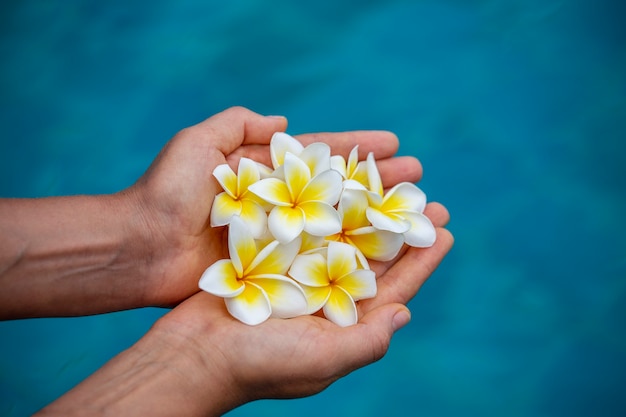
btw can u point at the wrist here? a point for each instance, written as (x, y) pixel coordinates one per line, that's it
(69, 256)
(151, 245)
(138, 250)
(197, 369)
(161, 375)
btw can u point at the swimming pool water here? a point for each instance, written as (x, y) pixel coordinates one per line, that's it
(516, 109)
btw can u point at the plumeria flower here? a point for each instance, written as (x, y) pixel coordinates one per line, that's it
(354, 173)
(301, 202)
(370, 242)
(333, 282)
(236, 200)
(281, 144)
(253, 282)
(316, 155)
(400, 210)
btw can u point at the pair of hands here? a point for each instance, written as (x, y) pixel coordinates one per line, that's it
(279, 358)
(176, 193)
(221, 362)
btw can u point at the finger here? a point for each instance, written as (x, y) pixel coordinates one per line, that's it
(383, 144)
(437, 213)
(237, 126)
(392, 170)
(368, 340)
(258, 153)
(402, 280)
(399, 169)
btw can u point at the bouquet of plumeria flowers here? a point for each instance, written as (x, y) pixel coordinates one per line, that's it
(300, 234)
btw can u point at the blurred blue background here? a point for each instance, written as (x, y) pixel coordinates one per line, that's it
(517, 110)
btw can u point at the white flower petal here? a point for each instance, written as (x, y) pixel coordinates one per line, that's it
(275, 258)
(221, 279)
(227, 179)
(341, 259)
(317, 157)
(375, 200)
(223, 209)
(251, 307)
(404, 197)
(310, 270)
(360, 284)
(280, 144)
(279, 173)
(255, 217)
(264, 240)
(312, 243)
(250, 196)
(353, 185)
(324, 187)
(351, 208)
(384, 221)
(262, 253)
(321, 219)
(378, 245)
(286, 297)
(353, 161)
(264, 170)
(316, 297)
(241, 245)
(338, 163)
(422, 233)
(272, 190)
(362, 260)
(297, 175)
(373, 176)
(340, 308)
(247, 174)
(286, 223)
(360, 174)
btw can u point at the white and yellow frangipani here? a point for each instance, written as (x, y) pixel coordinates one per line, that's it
(316, 155)
(370, 242)
(236, 200)
(333, 282)
(253, 282)
(280, 144)
(354, 173)
(399, 210)
(301, 202)
(300, 233)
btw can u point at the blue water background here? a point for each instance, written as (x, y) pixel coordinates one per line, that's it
(517, 110)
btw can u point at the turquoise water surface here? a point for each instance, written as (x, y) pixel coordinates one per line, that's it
(517, 110)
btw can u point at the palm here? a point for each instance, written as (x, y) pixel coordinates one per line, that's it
(260, 357)
(302, 356)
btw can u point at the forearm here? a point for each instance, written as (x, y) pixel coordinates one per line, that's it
(64, 256)
(155, 377)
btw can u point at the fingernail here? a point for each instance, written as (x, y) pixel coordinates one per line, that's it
(401, 319)
(272, 116)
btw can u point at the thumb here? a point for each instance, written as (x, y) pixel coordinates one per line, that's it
(394, 316)
(238, 126)
(369, 340)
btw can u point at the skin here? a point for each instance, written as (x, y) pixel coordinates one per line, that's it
(149, 244)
